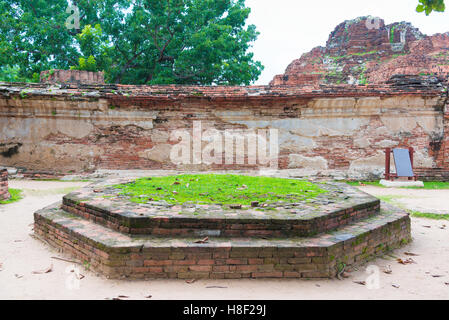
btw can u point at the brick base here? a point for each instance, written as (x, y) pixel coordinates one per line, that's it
(4, 194)
(118, 255)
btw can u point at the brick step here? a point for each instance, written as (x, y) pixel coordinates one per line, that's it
(119, 255)
(104, 206)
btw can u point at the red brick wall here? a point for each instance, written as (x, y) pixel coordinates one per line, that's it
(115, 127)
(4, 194)
(72, 76)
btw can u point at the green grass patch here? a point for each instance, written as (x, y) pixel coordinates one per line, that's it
(16, 195)
(216, 188)
(434, 216)
(392, 199)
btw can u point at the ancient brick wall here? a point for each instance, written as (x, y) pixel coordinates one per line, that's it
(72, 76)
(4, 194)
(334, 132)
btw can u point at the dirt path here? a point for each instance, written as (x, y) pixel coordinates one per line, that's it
(422, 200)
(21, 255)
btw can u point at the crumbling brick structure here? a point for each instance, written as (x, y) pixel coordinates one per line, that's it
(4, 194)
(72, 76)
(336, 131)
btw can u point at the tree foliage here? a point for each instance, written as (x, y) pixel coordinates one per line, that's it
(427, 6)
(133, 41)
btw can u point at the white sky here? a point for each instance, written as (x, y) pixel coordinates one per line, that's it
(289, 28)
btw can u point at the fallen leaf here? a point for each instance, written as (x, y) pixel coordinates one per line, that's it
(446, 283)
(360, 282)
(437, 275)
(176, 183)
(49, 269)
(407, 261)
(190, 281)
(411, 254)
(149, 297)
(202, 240)
(395, 286)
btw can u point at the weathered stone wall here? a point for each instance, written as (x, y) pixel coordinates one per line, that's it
(341, 134)
(4, 194)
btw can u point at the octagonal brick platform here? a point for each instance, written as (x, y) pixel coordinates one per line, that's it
(308, 239)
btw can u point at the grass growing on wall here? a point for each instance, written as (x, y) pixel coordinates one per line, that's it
(216, 188)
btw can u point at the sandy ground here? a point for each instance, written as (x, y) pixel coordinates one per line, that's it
(21, 254)
(422, 200)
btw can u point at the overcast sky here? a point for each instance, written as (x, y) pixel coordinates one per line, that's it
(289, 28)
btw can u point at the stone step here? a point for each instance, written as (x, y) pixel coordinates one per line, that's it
(340, 206)
(119, 255)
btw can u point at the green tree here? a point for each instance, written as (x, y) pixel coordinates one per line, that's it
(94, 48)
(427, 6)
(32, 37)
(133, 41)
